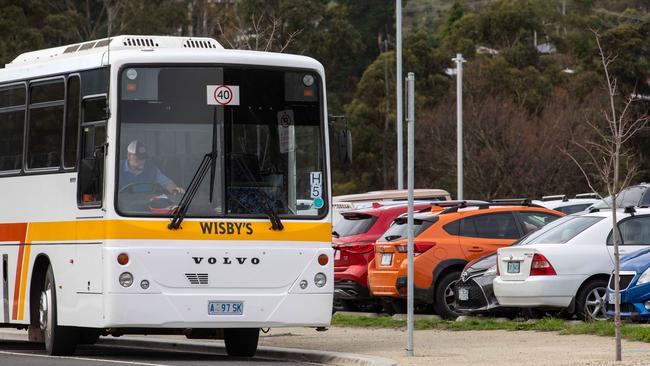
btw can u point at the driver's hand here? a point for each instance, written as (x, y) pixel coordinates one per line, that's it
(178, 190)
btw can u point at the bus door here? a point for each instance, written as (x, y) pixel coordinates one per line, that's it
(90, 182)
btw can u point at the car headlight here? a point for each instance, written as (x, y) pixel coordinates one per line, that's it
(645, 277)
(491, 271)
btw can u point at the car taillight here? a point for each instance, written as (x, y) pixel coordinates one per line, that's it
(541, 266)
(418, 248)
(357, 248)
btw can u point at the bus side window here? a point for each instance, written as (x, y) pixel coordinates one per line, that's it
(71, 132)
(90, 189)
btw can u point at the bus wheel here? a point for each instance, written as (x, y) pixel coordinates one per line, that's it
(59, 341)
(241, 342)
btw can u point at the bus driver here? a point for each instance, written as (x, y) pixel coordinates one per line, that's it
(136, 169)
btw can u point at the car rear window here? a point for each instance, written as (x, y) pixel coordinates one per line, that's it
(564, 230)
(354, 224)
(399, 229)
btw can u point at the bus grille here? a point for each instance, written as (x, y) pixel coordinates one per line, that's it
(197, 278)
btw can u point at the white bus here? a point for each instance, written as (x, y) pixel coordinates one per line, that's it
(156, 185)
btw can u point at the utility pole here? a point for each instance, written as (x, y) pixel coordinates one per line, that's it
(459, 122)
(398, 78)
(410, 157)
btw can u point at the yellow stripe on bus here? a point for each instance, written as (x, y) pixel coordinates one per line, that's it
(23, 284)
(191, 230)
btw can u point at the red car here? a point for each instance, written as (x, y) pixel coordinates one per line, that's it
(353, 240)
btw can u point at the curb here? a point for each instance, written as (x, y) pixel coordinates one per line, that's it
(271, 353)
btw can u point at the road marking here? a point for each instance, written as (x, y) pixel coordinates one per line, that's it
(83, 359)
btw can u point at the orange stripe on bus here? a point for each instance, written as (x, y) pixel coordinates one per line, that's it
(16, 232)
(19, 271)
(23, 285)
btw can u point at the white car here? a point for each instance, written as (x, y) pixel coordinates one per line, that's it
(569, 205)
(567, 263)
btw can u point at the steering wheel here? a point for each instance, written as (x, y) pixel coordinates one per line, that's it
(155, 188)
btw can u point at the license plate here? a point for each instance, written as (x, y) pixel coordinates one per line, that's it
(225, 308)
(463, 293)
(386, 259)
(514, 267)
(612, 297)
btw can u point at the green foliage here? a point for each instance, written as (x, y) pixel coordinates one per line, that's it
(633, 332)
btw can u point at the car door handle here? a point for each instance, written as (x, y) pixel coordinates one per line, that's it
(475, 249)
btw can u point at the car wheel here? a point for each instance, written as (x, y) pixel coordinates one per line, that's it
(590, 301)
(444, 301)
(59, 340)
(241, 342)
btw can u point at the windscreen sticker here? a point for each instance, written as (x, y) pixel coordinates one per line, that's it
(316, 191)
(223, 94)
(286, 131)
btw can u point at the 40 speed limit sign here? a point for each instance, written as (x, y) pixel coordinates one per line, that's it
(223, 94)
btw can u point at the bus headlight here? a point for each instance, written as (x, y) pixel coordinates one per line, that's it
(320, 279)
(126, 279)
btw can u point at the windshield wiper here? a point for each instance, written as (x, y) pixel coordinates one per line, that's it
(276, 223)
(189, 194)
(335, 234)
(209, 162)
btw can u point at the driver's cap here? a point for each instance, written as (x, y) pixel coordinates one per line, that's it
(138, 149)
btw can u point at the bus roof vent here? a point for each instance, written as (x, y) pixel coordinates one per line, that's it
(139, 42)
(200, 43)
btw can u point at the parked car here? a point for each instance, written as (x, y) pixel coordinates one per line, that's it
(567, 205)
(634, 284)
(445, 242)
(637, 195)
(353, 241)
(567, 265)
(474, 293)
(354, 236)
(349, 202)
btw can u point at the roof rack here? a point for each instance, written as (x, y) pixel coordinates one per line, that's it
(588, 195)
(556, 197)
(485, 205)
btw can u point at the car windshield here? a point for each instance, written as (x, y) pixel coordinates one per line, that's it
(630, 196)
(354, 224)
(561, 230)
(265, 126)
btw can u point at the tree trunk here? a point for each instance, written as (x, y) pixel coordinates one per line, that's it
(617, 262)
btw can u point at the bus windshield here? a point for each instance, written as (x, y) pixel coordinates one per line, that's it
(265, 126)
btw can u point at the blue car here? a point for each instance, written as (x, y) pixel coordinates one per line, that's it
(635, 287)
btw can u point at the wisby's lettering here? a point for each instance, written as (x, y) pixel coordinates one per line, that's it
(226, 228)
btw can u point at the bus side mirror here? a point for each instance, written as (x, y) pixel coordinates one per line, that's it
(344, 145)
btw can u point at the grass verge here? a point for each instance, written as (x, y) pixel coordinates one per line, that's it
(634, 332)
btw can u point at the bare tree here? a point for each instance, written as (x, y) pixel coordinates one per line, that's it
(259, 33)
(605, 156)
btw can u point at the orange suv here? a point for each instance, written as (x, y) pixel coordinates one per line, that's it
(445, 241)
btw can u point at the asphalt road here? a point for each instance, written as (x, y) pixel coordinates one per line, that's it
(19, 353)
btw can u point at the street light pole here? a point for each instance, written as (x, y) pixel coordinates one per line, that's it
(399, 113)
(459, 123)
(410, 157)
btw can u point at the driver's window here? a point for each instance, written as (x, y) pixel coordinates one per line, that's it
(90, 190)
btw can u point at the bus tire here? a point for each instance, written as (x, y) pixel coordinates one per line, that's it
(241, 342)
(59, 340)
